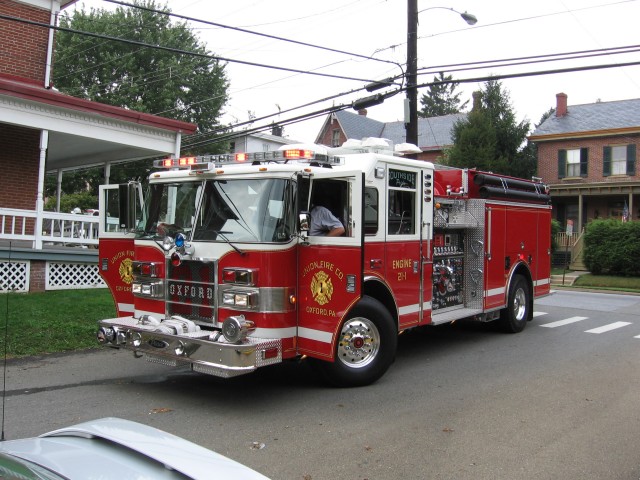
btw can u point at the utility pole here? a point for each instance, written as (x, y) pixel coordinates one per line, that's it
(411, 105)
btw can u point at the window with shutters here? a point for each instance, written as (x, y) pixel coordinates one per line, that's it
(619, 160)
(573, 163)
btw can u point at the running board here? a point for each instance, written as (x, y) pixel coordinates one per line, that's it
(451, 315)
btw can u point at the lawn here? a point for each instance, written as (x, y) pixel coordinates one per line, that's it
(608, 282)
(54, 321)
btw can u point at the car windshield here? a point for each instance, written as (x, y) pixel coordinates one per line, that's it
(243, 210)
(19, 468)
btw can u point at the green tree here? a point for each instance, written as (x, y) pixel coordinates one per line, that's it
(491, 138)
(441, 98)
(174, 85)
(179, 86)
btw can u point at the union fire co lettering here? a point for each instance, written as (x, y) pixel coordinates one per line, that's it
(324, 265)
(121, 254)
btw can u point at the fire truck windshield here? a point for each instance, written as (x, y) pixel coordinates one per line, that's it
(237, 210)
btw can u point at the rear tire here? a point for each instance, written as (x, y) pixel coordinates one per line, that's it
(365, 348)
(514, 318)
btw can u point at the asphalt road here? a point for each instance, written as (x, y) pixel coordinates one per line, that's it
(560, 400)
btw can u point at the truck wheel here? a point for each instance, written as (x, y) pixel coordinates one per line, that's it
(514, 318)
(365, 348)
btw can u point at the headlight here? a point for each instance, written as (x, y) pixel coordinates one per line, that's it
(240, 276)
(240, 299)
(148, 289)
(236, 329)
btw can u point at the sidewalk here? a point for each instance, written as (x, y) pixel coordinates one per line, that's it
(569, 278)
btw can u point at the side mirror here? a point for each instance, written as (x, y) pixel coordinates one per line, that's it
(304, 221)
(127, 198)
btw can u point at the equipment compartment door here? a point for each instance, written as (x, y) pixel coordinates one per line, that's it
(115, 251)
(330, 268)
(403, 242)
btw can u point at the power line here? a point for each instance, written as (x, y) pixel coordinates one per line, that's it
(534, 17)
(529, 60)
(304, 117)
(251, 32)
(180, 51)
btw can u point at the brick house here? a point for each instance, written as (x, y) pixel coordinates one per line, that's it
(43, 131)
(434, 134)
(587, 155)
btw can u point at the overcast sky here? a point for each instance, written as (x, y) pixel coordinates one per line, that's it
(378, 28)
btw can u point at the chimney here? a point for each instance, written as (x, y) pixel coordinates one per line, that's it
(561, 104)
(362, 112)
(477, 101)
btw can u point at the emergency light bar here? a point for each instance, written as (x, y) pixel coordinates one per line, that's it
(207, 162)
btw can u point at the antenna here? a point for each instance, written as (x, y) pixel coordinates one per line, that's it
(4, 367)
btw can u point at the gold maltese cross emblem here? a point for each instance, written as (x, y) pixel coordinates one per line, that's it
(126, 270)
(321, 288)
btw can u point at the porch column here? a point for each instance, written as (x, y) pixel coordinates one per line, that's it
(44, 144)
(630, 205)
(580, 206)
(58, 190)
(107, 172)
(178, 145)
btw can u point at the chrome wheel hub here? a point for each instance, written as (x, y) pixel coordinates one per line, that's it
(519, 305)
(359, 343)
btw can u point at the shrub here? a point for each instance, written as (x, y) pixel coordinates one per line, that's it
(611, 246)
(70, 201)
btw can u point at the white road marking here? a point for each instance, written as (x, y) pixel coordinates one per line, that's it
(539, 314)
(566, 321)
(607, 328)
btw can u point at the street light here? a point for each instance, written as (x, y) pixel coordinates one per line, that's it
(411, 115)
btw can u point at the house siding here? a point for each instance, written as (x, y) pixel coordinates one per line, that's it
(326, 137)
(548, 159)
(19, 156)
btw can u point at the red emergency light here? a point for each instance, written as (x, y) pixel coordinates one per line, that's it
(298, 153)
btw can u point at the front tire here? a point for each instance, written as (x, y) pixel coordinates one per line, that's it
(365, 348)
(514, 318)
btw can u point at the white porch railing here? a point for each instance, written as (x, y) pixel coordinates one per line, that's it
(65, 229)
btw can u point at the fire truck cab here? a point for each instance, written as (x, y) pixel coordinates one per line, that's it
(216, 268)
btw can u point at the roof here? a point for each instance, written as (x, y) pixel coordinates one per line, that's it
(83, 133)
(359, 126)
(18, 87)
(434, 133)
(602, 117)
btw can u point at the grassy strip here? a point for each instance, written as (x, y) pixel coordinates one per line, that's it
(54, 321)
(607, 282)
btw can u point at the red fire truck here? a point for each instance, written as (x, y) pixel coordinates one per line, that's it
(215, 267)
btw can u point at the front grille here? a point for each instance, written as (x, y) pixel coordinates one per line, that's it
(192, 291)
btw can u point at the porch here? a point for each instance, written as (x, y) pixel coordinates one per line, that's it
(569, 251)
(48, 251)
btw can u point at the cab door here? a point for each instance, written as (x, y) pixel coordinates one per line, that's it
(329, 268)
(116, 248)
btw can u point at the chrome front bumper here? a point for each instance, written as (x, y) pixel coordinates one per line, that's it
(204, 351)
